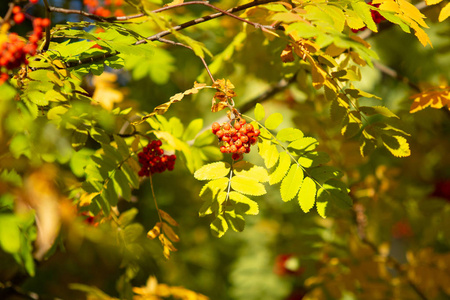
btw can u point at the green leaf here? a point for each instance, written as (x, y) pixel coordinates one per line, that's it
(324, 173)
(99, 135)
(397, 145)
(273, 121)
(259, 112)
(121, 185)
(193, 129)
(291, 183)
(289, 134)
(243, 204)
(219, 226)
(236, 221)
(333, 192)
(362, 9)
(214, 186)
(55, 112)
(213, 171)
(381, 110)
(247, 186)
(132, 232)
(37, 97)
(102, 203)
(269, 153)
(304, 144)
(281, 170)
(249, 170)
(109, 194)
(131, 175)
(307, 194)
(121, 146)
(313, 159)
(128, 216)
(9, 233)
(205, 138)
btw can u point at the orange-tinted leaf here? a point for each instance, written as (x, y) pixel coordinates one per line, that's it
(287, 55)
(156, 231)
(434, 99)
(166, 217)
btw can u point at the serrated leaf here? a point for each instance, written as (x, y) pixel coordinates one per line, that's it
(362, 9)
(55, 112)
(273, 121)
(219, 226)
(381, 110)
(259, 112)
(244, 204)
(99, 135)
(291, 183)
(269, 153)
(109, 193)
(132, 177)
(247, 186)
(121, 185)
(128, 216)
(324, 173)
(121, 146)
(213, 171)
(236, 221)
(249, 170)
(304, 144)
(281, 170)
(289, 134)
(313, 159)
(307, 194)
(132, 232)
(397, 145)
(333, 192)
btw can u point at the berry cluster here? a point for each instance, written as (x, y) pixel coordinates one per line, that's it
(377, 18)
(98, 9)
(13, 51)
(236, 139)
(153, 160)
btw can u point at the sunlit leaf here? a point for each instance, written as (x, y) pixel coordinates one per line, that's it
(273, 121)
(282, 168)
(259, 112)
(307, 194)
(291, 183)
(247, 186)
(212, 171)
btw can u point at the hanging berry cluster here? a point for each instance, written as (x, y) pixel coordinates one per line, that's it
(14, 51)
(97, 8)
(153, 160)
(236, 138)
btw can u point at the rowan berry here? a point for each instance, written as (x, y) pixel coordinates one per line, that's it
(219, 134)
(244, 139)
(153, 160)
(19, 18)
(237, 125)
(215, 126)
(233, 149)
(45, 22)
(242, 121)
(237, 156)
(16, 9)
(226, 126)
(34, 1)
(238, 143)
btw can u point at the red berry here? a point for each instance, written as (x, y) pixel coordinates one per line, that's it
(236, 156)
(257, 132)
(215, 126)
(19, 18)
(34, 1)
(237, 125)
(220, 134)
(223, 149)
(244, 139)
(226, 126)
(242, 121)
(45, 22)
(249, 127)
(16, 9)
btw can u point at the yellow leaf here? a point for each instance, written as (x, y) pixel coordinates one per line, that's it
(432, 2)
(167, 218)
(174, 2)
(421, 35)
(432, 98)
(412, 12)
(286, 54)
(168, 231)
(389, 6)
(155, 231)
(445, 12)
(106, 92)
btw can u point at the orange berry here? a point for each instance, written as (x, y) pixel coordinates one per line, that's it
(45, 22)
(242, 150)
(233, 149)
(226, 138)
(238, 143)
(16, 9)
(257, 132)
(237, 125)
(223, 149)
(19, 18)
(220, 134)
(249, 127)
(242, 121)
(244, 139)
(226, 126)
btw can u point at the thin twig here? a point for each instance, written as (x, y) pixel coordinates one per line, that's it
(77, 12)
(47, 29)
(204, 19)
(154, 198)
(190, 48)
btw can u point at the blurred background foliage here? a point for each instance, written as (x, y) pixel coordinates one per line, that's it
(394, 244)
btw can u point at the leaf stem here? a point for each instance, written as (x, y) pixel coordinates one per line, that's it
(154, 197)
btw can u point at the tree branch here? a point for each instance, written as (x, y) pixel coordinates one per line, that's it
(47, 29)
(204, 19)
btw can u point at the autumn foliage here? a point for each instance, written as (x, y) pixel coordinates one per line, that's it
(251, 150)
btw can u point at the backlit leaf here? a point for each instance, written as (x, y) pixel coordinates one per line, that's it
(291, 183)
(281, 170)
(212, 171)
(289, 134)
(244, 204)
(307, 194)
(445, 13)
(247, 186)
(246, 169)
(219, 226)
(397, 145)
(273, 121)
(259, 112)
(269, 153)
(304, 144)
(236, 221)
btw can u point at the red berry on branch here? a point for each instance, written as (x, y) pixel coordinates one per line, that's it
(34, 1)
(19, 18)
(16, 9)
